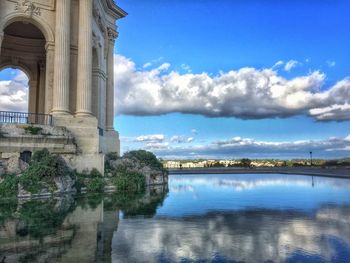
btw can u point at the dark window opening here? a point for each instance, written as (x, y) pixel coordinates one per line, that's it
(26, 156)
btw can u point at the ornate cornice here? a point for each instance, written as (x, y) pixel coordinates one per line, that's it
(112, 34)
(113, 9)
(27, 7)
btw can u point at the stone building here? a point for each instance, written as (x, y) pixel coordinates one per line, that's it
(66, 48)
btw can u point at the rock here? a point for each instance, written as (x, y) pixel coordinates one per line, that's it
(154, 176)
(13, 165)
(64, 184)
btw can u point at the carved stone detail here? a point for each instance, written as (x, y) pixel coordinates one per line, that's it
(98, 17)
(27, 7)
(112, 34)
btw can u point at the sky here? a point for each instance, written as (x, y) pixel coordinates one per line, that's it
(228, 78)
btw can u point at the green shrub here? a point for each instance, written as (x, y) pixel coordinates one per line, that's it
(129, 181)
(9, 185)
(110, 157)
(33, 130)
(95, 185)
(42, 170)
(93, 181)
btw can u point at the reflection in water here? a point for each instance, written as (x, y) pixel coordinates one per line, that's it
(220, 218)
(247, 236)
(242, 218)
(67, 229)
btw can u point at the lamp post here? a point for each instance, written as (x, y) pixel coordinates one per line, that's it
(310, 158)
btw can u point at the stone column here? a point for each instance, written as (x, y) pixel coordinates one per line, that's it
(84, 59)
(62, 58)
(41, 91)
(49, 74)
(112, 35)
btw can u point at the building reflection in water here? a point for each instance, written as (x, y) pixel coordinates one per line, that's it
(67, 229)
(157, 226)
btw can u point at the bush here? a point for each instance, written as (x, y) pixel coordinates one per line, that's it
(9, 185)
(110, 157)
(145, 158)
(43, 168)
(129, 181)
(246, 162)
(93, 181)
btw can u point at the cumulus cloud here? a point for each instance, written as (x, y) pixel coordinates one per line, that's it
(247, 93)
(14, 93)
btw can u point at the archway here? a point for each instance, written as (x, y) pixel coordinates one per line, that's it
(23, 47)
(14, 89)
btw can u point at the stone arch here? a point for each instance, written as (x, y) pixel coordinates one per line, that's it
(19, 66)
(24, 47)
(35, 20)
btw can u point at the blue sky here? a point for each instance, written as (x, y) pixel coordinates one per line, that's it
(213, 36)
(188, 71)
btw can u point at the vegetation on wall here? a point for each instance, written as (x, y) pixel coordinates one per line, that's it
(42, 170)
(8, 185)
(33, 130)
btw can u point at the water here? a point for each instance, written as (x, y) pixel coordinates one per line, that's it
(202, 218)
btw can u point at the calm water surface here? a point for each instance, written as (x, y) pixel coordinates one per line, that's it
(200, 218)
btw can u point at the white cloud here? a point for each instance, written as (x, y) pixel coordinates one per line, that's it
(278, 64)
(14, 93)
(238, 147)
(247, 93)
(150, 138)
(181, 139)
(147, 65)
(194, 131)
(157, 146)
(186, 68)
(290, 65)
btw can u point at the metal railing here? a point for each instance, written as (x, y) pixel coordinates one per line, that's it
(25, 118)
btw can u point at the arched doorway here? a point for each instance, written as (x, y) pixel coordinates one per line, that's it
(23, 47)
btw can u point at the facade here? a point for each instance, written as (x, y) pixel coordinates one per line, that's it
(66, 49)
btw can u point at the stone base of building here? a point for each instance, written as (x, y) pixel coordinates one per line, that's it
(85, 162)
(77, 139)
(109, 142)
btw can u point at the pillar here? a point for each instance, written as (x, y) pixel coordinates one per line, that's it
(32, 96)
(62, 58)
(41, 90)
(112, 35)
(84, 69)
(49, 74)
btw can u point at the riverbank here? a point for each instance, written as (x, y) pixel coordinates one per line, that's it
(339, 172)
